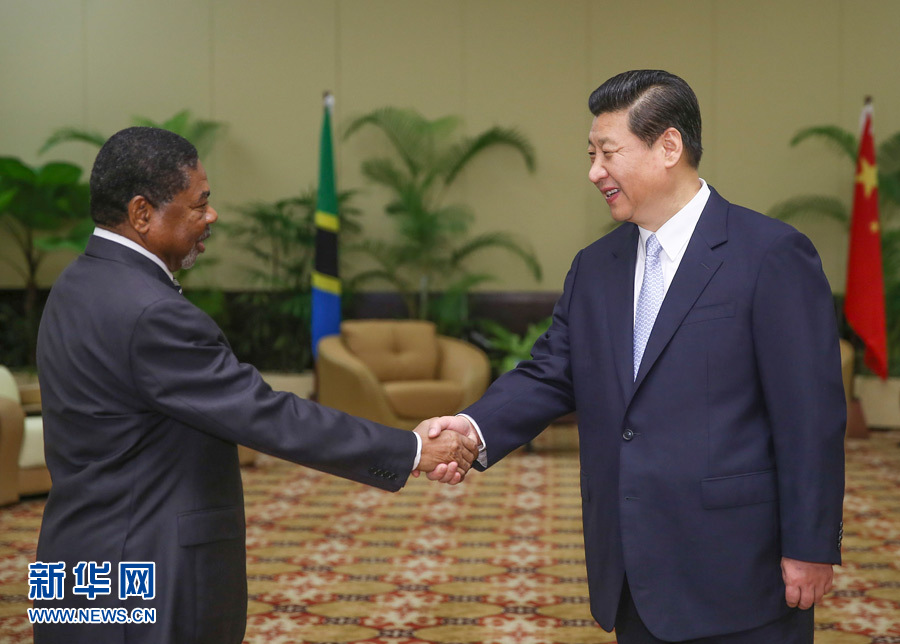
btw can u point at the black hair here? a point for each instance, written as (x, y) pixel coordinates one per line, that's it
(656, 100)
(144, 161)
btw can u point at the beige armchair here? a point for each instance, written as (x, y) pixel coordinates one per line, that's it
(22, 468)
(399, 372)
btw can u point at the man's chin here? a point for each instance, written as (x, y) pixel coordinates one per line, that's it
(191, 259)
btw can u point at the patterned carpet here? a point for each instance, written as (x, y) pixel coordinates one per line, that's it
(496, 560)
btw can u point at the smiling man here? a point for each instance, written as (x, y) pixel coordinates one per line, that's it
(144, 403)
(698, 344)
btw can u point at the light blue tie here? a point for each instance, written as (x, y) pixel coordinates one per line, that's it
(653, 290)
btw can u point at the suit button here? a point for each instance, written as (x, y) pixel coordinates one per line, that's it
(628, 434)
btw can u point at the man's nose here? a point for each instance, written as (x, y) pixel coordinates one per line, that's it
(211, 215)
(597, 172)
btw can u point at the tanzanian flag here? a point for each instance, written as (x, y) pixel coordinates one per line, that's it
(326, 285)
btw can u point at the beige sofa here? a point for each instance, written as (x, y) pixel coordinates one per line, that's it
(22, 468)
(399, 372)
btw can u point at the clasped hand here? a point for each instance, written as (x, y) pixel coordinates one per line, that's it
(449, 447)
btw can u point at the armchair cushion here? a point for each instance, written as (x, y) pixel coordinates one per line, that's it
(31, 454)
(404, 351)
(424, 398)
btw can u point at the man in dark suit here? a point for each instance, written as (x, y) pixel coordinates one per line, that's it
(143, 405)
(698, 344)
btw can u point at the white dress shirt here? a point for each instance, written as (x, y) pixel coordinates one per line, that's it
(673, 236)
(124, 241)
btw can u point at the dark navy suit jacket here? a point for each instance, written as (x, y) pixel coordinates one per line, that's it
(726, 452)
(143, 404)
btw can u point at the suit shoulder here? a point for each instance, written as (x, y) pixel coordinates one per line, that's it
(766, 241)
(745, 221)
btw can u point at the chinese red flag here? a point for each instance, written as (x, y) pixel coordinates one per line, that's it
(864, 302)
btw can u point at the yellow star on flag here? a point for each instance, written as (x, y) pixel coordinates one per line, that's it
(874, 227)
(868, 176)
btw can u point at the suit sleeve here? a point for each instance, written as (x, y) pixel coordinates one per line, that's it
(796, 341)
(183, 366)
(524, 401)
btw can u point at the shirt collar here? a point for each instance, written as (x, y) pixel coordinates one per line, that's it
(124, 241)
(674, 235)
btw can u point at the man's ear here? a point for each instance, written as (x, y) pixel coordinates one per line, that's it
(140, 212)
(672, 146)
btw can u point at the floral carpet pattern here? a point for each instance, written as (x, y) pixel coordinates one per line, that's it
(498, 559)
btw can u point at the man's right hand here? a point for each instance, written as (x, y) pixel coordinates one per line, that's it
(459, 424)
(452, 452)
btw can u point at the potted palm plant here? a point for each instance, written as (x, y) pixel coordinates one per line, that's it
(432, 243)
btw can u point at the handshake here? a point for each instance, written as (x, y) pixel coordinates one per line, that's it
(449, 447)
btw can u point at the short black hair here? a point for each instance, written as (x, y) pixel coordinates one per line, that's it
(656, 100)
(144, 161)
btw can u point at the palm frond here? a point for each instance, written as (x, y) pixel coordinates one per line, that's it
(177, 123)
(890, 253)
(412, 135)
(811, 206)
(203, 134)
(889, 155)
(461, 154)
(888, 192)
(837, 137)
(384, 172)
(66, 134)
(467, 282)
(499, 240)
(431, 231)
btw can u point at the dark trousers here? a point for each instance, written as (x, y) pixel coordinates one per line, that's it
(795, 628)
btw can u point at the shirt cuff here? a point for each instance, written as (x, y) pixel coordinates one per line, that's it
(418, 451)
(482, 449)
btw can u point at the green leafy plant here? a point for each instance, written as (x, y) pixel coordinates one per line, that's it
(508, 349)
(202, 133)
(42, 209)
(281, 238)
(432, 244)
(838, 211)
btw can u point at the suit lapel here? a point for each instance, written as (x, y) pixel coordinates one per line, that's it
(699, 264)
(620, 284)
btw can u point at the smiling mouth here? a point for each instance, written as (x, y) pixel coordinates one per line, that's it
(610, 193)
(200, 245)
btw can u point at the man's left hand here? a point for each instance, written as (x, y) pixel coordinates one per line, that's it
(805, 583)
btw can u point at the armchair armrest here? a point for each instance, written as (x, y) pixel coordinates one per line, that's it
(465, 364)
(12, 430)
(346, 383)
(31, 398)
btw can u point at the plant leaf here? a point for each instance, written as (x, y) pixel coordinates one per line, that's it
(66, 134)
(888, 155)
(58, 173)
(811, 206)
(840, 139)
(499, 240)
(461, 154)
(15, 169)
